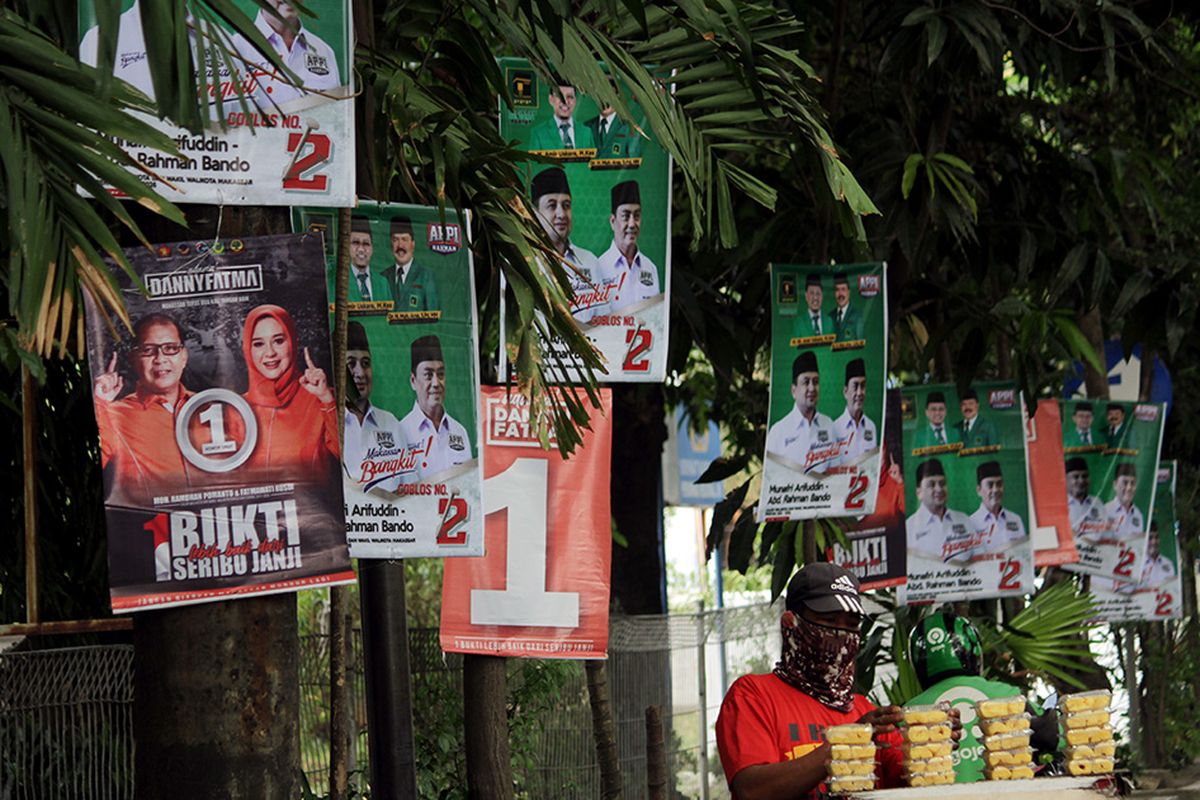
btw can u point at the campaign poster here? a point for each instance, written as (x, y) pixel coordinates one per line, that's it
(542, 589)
(876, 552)
(605, 204)
(411, 467)
(1111, 453)
(1158, 592)
(218, 423)
(686, 457)
(966, 491)
(1049, 520)
(828, 373)
(288, 140)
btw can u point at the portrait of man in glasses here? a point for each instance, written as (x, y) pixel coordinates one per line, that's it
(137, 432)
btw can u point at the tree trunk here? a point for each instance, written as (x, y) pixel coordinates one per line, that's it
(489, 763)
(656, 755)
(215, 700)
(603, 730)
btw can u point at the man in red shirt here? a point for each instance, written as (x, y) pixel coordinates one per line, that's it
(770, 729)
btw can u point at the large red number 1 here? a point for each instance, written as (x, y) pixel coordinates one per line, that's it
(458, 515)
(157, 527)
(639, 341)
(858, 490)
(302, 163)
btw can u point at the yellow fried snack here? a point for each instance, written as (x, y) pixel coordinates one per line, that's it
(939, 733)
(1007, 758)
(1080, 752)
(999, 773)
(925, 715)
(853, 752)
(841, 769)
(849, 734)
(929, 765)
(1003, 707)
(1007, 741)
(997, 725)
(1102, 765)
(1086, 701)
(843, 785)
(1022, 773)
(1080, 767)
(1086, 719)
(1080, 736)
(1105, 749)
(945, 778)
(915, 752)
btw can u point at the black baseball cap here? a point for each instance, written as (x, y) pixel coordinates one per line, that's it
(824, 588)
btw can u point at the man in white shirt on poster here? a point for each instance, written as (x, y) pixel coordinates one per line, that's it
(804, 439)
(1125, 520)
(373, 449)
(630, 272)
(436, 439)
(996, 527)
(854, 430)
(936, 532)
(311, 59)
(1089, 520)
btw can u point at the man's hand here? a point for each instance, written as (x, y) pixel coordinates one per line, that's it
(885, 719)
(314, 380)
(109, 384)
(956, 728)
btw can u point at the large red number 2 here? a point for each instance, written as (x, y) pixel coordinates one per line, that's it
(1010, 575)
(1162, 607)
(318, 155)
(1124, 563)
(639, 341)
(858, 489)
(458, 516)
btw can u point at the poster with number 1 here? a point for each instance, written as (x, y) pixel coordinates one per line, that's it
(542, 588)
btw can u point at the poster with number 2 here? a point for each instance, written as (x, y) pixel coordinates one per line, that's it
(542, 588)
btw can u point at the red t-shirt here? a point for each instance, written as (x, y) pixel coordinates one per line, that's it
(766, 721)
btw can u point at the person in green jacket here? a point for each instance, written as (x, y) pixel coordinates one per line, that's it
(412, 285)
(365, 285)
(973, 430)
(847, 320)
(937, 431)
(812, 321)
(1080, 433)
(947, 655)
(561, 132)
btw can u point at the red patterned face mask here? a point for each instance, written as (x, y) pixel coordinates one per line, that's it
(819, 661)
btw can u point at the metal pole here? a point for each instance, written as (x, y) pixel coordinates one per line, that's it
(29, 465)
(388, 679)
(702, 677)
(720, 583)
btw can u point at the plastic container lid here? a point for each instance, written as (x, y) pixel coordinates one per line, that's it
(995, 725)
(1000, 707)
(1008, 741)
(926, 715)
(843, 785)
(849, 734)
(1008, 758)
(1085, 701)
(927, 750)
(920, 734)
(1086, 719)
(853, 752)
(1077, 736)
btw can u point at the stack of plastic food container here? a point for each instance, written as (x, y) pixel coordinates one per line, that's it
(1087, 728)
(852, 760)
(1007, 755)
(927, 746)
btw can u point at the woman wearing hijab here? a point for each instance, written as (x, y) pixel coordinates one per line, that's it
(295, 408)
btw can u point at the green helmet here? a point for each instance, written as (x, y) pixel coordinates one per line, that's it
(943, 645)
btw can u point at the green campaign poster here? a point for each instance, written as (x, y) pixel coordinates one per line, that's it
(966, 492)
(828, 374)
(285, 141)
(1158, 592)
(412, 475)
(1111, 450)
(605, 203)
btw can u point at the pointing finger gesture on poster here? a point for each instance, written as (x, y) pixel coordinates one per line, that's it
(109, 384)
(314, 380)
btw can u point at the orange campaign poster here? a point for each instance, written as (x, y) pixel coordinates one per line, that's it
(541, 589)
(1053, 543)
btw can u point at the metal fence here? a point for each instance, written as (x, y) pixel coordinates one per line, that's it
(66, 726)
(681, 662)
(66, 723)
